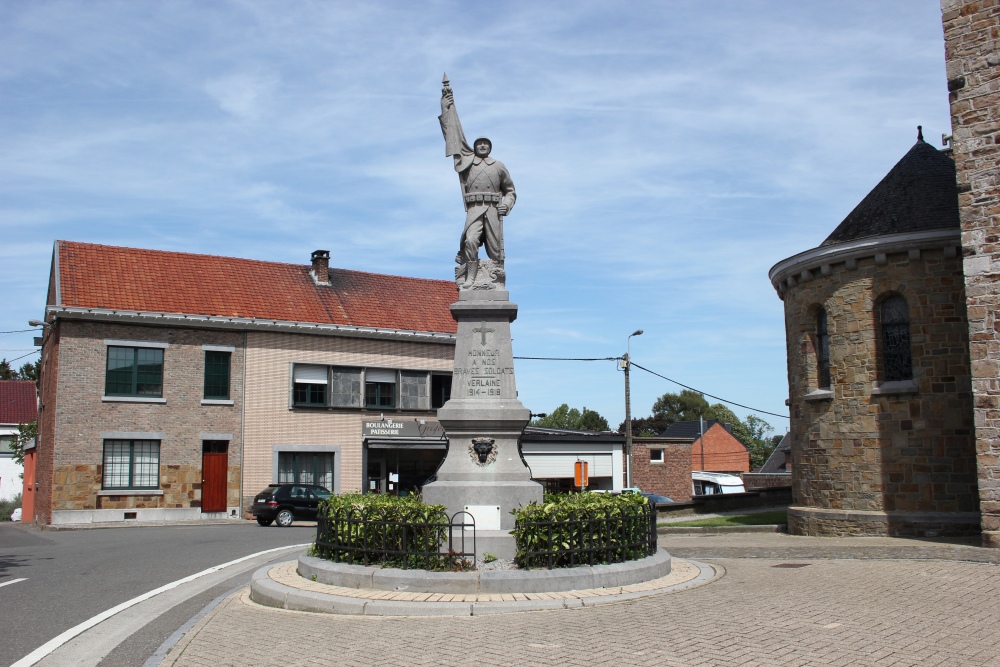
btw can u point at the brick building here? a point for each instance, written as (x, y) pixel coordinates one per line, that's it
(175, 386)
(878, 364)
(662, 466)
(972, 58)
(714, 448)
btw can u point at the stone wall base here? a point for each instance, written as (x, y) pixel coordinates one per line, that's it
(812, 521)
(991, 539)
(125, 515)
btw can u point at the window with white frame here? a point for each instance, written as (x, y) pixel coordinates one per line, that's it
(315, 385)
(131, 464)
(656, 456)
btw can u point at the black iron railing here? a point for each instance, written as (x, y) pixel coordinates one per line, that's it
(587, 538)
(380, 536)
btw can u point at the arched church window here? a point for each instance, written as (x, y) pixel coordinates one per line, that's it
(896, 360)
(822, 350)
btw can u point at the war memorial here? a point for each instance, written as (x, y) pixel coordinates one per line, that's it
(483, 480)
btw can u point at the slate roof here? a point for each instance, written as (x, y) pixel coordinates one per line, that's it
(776, 461)
(918, 194)
(18, 403)
(157, 281)
(691, 430)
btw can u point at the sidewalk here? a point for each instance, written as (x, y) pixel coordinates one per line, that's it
(783, 600)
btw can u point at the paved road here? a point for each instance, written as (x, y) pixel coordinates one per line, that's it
(74, 575)
(838, 606)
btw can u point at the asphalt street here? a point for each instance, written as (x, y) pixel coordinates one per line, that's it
(71, 576)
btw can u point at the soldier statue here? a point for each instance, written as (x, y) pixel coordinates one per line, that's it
(487, 191)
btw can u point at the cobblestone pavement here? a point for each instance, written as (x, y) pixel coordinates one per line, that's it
(829, 611)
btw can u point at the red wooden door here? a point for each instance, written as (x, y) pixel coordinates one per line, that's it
(213, 483)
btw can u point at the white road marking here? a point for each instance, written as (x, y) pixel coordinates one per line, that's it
(12, 581)
(54, 643)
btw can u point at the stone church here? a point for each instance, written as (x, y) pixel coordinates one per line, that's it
(892, 339)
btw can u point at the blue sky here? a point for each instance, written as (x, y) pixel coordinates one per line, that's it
(665, 154)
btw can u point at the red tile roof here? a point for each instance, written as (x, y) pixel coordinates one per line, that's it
(100, 276)
(18, 404)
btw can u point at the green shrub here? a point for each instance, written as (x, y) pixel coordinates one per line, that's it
(584, 529)
(8, 506)
(390, 531)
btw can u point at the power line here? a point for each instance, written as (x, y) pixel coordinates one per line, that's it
(705, 393)
(19, 331)
(570, 358)
(22, 356)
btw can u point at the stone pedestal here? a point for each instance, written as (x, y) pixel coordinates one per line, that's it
(484, 470)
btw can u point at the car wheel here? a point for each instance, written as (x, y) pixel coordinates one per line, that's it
(264, 522)
(285, 518)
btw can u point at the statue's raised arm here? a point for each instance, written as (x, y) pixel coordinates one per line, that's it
(488, 195)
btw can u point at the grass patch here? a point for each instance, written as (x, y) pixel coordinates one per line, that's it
(761, 519)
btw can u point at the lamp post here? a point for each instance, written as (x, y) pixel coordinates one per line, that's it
(626, 363)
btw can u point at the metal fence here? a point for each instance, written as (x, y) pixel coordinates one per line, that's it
(381, 536)
(590, 538)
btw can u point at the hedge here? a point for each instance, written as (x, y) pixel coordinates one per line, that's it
(390, 531)
(568, 530)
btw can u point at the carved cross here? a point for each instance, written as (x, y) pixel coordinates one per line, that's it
(484, 330)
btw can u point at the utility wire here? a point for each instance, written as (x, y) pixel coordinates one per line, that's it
(570, 358)
(19, 331)
(705, 393)
(22, 356)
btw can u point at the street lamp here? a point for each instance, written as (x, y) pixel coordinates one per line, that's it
(626, 363)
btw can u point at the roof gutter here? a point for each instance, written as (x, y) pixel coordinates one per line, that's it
(245, 324)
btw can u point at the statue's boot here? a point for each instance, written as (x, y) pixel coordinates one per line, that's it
(471, 271)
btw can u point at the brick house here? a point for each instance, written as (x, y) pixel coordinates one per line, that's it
(176, 386)
(714, 448)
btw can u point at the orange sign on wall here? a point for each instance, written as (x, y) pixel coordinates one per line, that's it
(580, 474)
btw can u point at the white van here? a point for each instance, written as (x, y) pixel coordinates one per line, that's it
(712, 483)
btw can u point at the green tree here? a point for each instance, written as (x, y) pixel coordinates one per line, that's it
(573, 419)
(25, 434)
(28, 371)
(684, 406)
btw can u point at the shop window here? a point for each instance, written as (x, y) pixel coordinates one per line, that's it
(897, 362)
(380, 388)
(306, 468)
(134, 371)
(217, 366)
(309, 384)
(131, 464)
(822, 351)
(440, 390)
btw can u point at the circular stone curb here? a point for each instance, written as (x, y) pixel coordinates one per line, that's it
(486, 581)
(281, 587)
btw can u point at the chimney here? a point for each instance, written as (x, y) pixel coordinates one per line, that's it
(321, 267)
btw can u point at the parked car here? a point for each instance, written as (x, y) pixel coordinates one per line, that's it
(656, 498)
(285, 503)
(713, 483)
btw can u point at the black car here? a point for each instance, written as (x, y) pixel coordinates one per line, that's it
(656, 498)
(285, 503)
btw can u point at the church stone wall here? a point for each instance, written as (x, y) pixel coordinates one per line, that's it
(972, 37)
(892, 464)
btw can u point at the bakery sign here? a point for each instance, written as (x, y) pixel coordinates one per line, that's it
(411, 428)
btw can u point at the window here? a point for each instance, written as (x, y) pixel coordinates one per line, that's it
(440, 390)
(7, 444)
(306, 468)
(131, 464)
(380, 388)
(310, 383)
(897, 363)
(656, 456)
(822, 351)
(217, 374)
(134, 371)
